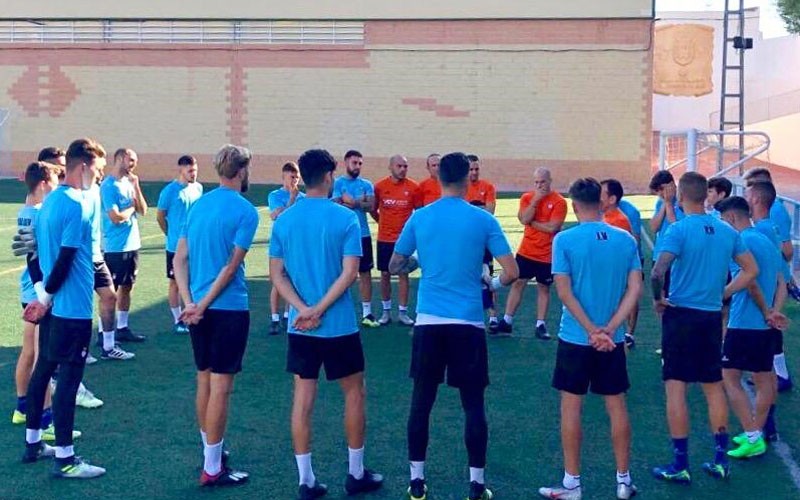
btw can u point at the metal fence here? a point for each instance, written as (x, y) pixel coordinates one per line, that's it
(145, 31)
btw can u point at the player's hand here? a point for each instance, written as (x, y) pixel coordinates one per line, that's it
(307, 319)
(486, 276)
(133, 178)
(777, 320)
(601, 340)
(348, 200)
(191, 314)
(660, 306)
(669, 192)
(24, 242)
(34, 312)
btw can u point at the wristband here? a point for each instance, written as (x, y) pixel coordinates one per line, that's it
(42, 296)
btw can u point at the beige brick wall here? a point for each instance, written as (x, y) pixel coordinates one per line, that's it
(413, 88)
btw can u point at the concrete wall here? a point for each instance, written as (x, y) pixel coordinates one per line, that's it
(329, 9)
(571, 94)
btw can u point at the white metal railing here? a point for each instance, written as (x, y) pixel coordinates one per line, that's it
(238, 32)
(697, 142)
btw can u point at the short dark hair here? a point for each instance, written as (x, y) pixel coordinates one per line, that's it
(50, 154)
(757, 172)
(83, 150)
(453, 169)
(614, 188)
(764, 191)
(186, 161)
(352, 152)
(473, 158)
(693, 186)
(39, 171)
(314, 164)
(120, 153)
(735, 203)
(290, 167)
(721, 185)
(659, 179)
(585, 191)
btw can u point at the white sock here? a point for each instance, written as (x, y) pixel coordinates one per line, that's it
(108, 340)
(403, 309)
(213, 458)
(176, 313)
(276, 318)
(540, 322)
(753, 436)
(387, 305)
(779, 363)
(285, 314)
(33, 435)
(624, 478)
(492, 319)
(122, 319)
(476, 474)
(508, 319)
(417, 470)
(304, 469)
(100, 324)
(571, 482)
(366, 309)
(356, 462)
(204, 437)
(64, 451)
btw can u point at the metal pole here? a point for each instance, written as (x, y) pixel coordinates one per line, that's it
(691, 150)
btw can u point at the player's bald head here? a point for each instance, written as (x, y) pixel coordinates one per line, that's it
(542, 173)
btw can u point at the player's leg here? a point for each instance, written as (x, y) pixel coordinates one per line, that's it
(718, 420)
(707, 347)
(274, 309)
(365, 265)
(38, 387)
(678, 425)
(24, 369)
(476, 438)
(633, 319)
(108, 302)
(544, 278)
(515, 293)
(386, 298)
(621, 442)
(124, 273)
(403, 290)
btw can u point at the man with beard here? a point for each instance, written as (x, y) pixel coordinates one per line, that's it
(174, 203)
(209, 271)
(357, 194)
(123, 203)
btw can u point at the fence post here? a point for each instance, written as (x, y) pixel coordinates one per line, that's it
(691, 150)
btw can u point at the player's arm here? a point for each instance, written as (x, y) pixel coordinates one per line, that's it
(787, 250)
(34, 269)
(629, 300)
(556, 220)
(45, 292)
(342, 284)
(748, 273)
(658, 218)
(223, 278)
(780, 294)
(139, 201)
(118, 216)
(161, 217)
(402, 264)
(490, 206)
(279, 279)
(275, 213)
(367, 203)
(564, 290)
(510, 270)
(526, 214)
(180, 265)
(658, 274)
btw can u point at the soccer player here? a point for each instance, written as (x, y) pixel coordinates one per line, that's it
(123, 203)
(63, 233)
(598, 279)
(314, 253)
(542, 212)
(635, 218)
(396, 197)
(699, 248)
(209, 271)
(278, 201)
(667, 211)
(783, 223)
(430, 189)
(174, 203)
(610, 195)
(719, 188)
(482, 193)
(54, 155)
(40, 178)
(748, 344)
(449, 334)
(358, 194)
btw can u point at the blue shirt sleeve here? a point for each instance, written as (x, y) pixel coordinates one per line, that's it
(634, 263)
(560, 258)
(109, 196)
(496, 242)
(782, 221)
(672, 241)
(407, 242)
(72, 234)
(247, 229)
(272, 201)
(163, 198)
(369, 189)
(738, 245)
(352, 238)
(337, 188)
(275, 240)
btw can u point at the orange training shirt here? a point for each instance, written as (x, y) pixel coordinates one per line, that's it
(430, 190)
(481, 191)
(615, 217)
(538, 245)
(395, 202)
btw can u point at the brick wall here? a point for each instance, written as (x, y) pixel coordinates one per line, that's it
(570, 94)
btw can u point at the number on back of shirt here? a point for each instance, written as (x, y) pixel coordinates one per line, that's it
(602, 236)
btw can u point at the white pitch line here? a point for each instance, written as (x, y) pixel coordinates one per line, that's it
(12, 270)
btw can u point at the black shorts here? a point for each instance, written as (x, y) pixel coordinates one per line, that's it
(219, 340)
(458, 349)
(123, 266)
(528, 269)
(366, 263)
(667, 281)
(580, 368)
(64, 340)
(691, 345)
(341, 356)
(748, 350)
(385, 250)
(102, 276)
(170, 267)
(777, 341)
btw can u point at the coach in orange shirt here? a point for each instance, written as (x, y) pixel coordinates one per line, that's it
(396, 197)
(542, 212)
(430, 189)
(610, 194)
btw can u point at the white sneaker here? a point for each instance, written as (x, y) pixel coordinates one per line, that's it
(90, 360)
(79, 469)
(85, 398)
(385, 319)
(561, 493)
(117, 353)
(625, 491)
(404, 319)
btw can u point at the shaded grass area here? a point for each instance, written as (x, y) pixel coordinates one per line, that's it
(146, 434)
